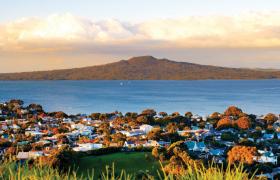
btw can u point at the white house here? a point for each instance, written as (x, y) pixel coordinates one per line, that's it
(77, 126)
(29, 155)
(87, 147)
(133, 132)
(146, 128)
(130, 144)
(152, 143)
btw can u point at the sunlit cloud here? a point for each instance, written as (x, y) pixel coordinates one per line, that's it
(66, 31)
(62, 35)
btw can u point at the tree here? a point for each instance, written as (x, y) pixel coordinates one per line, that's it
(118, 138)
(149, 112)
(155, 152)
(233, 111)
(215, 116)
(5, 143)
(95, 116)
(175, 114)
(37, 146)
(58, 114)
(16, 102)
(142, 119)
(131, 114)
(162, 114)
(171, 128)
(62, 158)
(270, 118)
(63, 139)
(179, 159)
(243, 154)
(228, 136)
(224, 123)
(35, 107)
(154, 134)
(243, 123)
(188, 115)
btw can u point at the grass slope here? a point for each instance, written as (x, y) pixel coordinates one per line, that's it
(132, 162)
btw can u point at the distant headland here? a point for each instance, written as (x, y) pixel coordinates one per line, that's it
(146, 68)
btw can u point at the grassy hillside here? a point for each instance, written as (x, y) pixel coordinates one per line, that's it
(132, 162)
(145, 67)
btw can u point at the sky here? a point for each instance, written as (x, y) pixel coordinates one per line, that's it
(58, 34)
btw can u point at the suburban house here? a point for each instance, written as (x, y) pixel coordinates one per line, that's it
(87, 147)
(132, 144)
(268, 136)
(216, 152)
(36, 134)
(196, 146)
(146, 128)
(29, 155)
(276, 126)
(266, 157)
(134, 132)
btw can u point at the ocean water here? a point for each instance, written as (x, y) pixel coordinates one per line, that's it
(201, 97)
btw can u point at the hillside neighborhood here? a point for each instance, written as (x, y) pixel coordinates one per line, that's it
(29, 133)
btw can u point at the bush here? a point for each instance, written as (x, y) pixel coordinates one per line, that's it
(228, 136)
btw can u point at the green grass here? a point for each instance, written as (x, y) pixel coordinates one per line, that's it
(10, 171)
(131, 162)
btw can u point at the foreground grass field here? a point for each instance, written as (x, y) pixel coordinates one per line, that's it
(11, 171)
(132, 162)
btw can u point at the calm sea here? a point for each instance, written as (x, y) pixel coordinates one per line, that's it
(200, 97)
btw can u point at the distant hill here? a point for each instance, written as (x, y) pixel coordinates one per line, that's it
(145, 68)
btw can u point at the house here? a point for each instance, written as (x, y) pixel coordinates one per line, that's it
(134, 132)
(276, 126)
(77, 126)
(208, 126)
(36, 134)
(23, 155)
(264, 176)
(229, 144)
(114, 144)
(87, 147)
(216, 152)
(4, 127)
(146, 128)
(15, 127)
(2, 152)
(129, 144)
(132, 144)
(218, 159)
(5, 136)
(29, 155)
(67, 120)
(196, 146)
(153, 143)
(278, 135)
(96, 123)
(164, 143)
(268, 136)
(266, 157)
(196, 118)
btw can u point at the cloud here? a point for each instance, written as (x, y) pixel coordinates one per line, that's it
(65, 40)
(66, 32)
